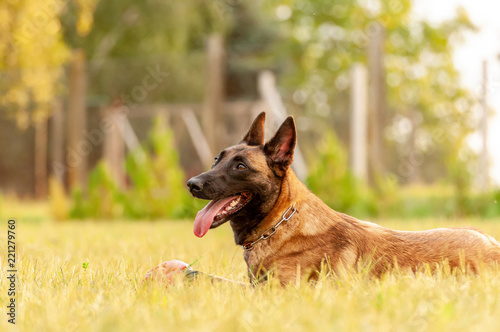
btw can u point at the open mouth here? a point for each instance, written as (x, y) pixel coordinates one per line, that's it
(217, 211)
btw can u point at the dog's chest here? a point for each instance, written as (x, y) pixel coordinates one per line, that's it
(285, 264)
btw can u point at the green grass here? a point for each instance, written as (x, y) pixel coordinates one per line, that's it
(56, 293)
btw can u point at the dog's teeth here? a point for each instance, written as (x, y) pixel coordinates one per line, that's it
(230, 206)
(234, 202)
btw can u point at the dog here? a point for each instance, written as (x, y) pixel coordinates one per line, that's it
(286, 230)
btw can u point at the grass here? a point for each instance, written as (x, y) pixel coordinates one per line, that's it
(56, 292)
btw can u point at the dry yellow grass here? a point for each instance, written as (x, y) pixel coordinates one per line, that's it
(55, 293)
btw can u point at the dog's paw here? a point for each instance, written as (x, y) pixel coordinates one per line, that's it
(167, 271)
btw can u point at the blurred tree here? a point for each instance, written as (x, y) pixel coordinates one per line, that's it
(428, 115)
(311, 44)
(131, 39)
(337, 186)
(251, 36)
(32, 51)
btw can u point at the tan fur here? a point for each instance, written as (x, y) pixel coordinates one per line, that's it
(317, 234)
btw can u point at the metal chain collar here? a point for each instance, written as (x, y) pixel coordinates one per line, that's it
(270, 231)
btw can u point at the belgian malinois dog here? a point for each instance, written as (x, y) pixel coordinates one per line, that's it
(284, 228)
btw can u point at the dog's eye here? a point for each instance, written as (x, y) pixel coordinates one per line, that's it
(241, 167)
(216, 160)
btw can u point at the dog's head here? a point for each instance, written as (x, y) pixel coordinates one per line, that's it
(245, 180)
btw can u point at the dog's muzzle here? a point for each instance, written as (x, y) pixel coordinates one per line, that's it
(195, 186)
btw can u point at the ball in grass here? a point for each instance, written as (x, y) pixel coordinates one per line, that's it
(167, 271)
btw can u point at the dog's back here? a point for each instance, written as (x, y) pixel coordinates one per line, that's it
(464, 248)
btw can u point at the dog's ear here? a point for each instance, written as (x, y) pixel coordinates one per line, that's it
(280, 148)
(255, 135)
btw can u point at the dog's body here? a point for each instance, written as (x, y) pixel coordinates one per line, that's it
(317, 234)
(252, 185)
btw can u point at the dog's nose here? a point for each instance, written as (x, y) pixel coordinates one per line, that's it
(195, 185)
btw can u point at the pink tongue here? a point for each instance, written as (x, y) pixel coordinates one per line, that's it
(205, 217)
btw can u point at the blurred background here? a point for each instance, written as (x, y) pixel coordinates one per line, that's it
(108, 107)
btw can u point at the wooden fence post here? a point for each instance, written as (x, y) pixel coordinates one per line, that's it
(269, 93)
(214, 92)
(78, 146)
(57, 139)
(483, 171)
(376, 102)
(200, 142)
(41, 159)
(358, 123)
(114, 147)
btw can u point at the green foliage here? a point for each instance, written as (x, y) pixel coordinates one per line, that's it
(156, 187)
(493, 204)
(322, 39)
(102, 198)
(461, 179)
(137, 37)
(333, 182)
(158, 181)
(58, 199)
(444, 202)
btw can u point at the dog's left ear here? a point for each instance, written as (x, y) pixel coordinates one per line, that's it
(280, 148)
(255, 135)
